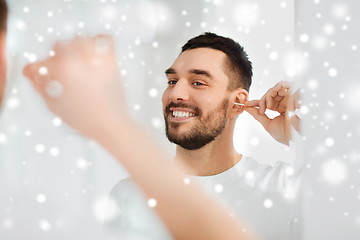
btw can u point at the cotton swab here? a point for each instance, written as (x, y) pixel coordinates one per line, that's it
(241, 104)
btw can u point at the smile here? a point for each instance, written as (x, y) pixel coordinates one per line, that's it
(180, 114)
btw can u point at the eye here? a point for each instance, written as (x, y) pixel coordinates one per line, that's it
(198, 84)
(172, 82)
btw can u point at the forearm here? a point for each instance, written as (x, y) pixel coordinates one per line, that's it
(186, 210)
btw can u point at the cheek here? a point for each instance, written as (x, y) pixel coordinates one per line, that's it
(165, 99)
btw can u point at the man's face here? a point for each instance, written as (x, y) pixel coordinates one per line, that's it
(196, 101)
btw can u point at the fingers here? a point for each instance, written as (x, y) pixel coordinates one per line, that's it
(103, 44)
(253, 103)
(39, 75)
(262, 118)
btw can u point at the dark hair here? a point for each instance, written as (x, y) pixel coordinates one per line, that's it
(3, 15)
(238, 67)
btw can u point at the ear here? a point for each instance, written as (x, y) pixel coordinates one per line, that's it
(240, 95)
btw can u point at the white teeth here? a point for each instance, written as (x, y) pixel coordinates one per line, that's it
(182, 114)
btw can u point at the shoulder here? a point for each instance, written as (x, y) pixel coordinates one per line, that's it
(265, 176)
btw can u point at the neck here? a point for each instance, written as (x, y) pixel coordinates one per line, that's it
(214, 158)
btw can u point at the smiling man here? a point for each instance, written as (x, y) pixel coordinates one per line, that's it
(207, 81)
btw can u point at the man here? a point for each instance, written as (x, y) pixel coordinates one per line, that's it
(3, 21)
(200, 108)
(205, 83)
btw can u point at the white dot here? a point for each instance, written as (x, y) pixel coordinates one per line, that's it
(184, 12)
(26, 9)
(268, 203)
(43, 71)
(312, 84)
(3, 138)
(249, 175)
(246, 14)
(8, 223)
(156, 123)
(57, 122)
(32, 57)
(39, 148)
(136, 107)
(334, 171)
(104, 208)
(152, 202)
(28, 133)
(329, 29)
(153, 92)
(289, 171)
(274, 56)
(283, 4)
(339, 11)
(329, 142)
(155, 44)
(137, 41)
(54, 151)
(319, 42)
(254, 141)
(50, 30)
(81, 24)
(188, 24)
(218, 188)
(187, 180)
(52, 53)
(40, 38)
(13, 102)
(44, 225)
(82, 163)
(41, 198)
(332, 72)
(20, 25)
(217, 2)
(50, 14)
(203, 24)
(304, 38)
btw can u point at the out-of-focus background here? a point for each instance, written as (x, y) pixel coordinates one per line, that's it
(54, 182)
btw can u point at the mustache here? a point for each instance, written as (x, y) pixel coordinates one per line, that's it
(196, 110)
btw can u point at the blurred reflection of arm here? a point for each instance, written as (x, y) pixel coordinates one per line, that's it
(81, 85)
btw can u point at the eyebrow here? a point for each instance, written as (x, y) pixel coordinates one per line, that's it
(170, 71)
(192, 71)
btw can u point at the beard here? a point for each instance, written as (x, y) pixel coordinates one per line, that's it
(204, 130)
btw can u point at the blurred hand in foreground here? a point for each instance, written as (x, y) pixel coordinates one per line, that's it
(80, 83)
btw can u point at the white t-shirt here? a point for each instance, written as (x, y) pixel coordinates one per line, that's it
(264, 197)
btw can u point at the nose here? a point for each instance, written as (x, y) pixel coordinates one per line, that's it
(179, 92)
